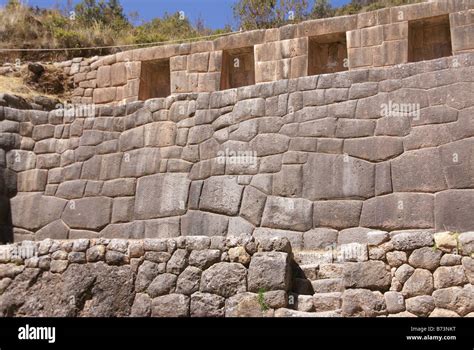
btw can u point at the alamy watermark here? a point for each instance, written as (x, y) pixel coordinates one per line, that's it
(13, 252)
(237, 157)
(75, 110)
(392, 109)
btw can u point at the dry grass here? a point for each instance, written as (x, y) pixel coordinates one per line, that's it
(17, 86)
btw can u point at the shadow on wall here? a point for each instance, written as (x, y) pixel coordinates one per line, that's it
(7, 191)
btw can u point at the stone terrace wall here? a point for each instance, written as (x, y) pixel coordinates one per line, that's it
(406, 274)
(317, 153)
(192, 276)
(373, 39)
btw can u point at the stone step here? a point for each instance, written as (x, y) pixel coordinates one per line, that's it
(348, 252)
(314, 272)
(313, 257)
(328, 285)
(323, 302)
(319, 302)
(294, 313)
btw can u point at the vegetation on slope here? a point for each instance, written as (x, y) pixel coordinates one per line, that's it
(93, 23)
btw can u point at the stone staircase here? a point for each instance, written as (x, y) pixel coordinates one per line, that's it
(318, 284)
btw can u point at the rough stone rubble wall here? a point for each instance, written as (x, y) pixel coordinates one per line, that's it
(374, 39)
(318, 154)
(406, 274)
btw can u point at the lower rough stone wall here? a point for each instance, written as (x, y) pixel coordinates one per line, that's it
(410, 273)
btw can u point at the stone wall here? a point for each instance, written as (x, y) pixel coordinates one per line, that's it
(188, 276)
(379, 38)
(404, 274)
(282, 158)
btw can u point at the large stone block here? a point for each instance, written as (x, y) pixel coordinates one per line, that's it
(200, 133)
(371, 107)
(54, 230)
(425, 258)
(253, 204)
(294, 237)
(171, 305)
(198, 62)
(421, 305)
(239, 226)
(269, 271)
(337, 214)
(123, 209)
(33, 180)
(319, 238)
(164, 283)
(161, 195)
(224, 279)
(119, 188)
(287, 183)
(457, 299)
(449, 276)
(162, 228)
(428, 136)
(362, 302)
(197, 223)
(203, 259)
(383, 178)
(328, 176)
(362, 235)
(207, 305)
(375, 149)
(104, 95)
(140, 162)
(466, 241)
(118, 74)
(268, 144)
(287, 213)
(354, 128)
(410, 240)
(20, 160)
(91, 213)
(419, 283)
(325, 127)
(390, 126)
(71, 189)
(188, 280)
(458, 161)
(418, 171)
(160, 134)
(246, 130)
(103, 76)
(369, 274)
(110, 165)
(131, 139)
(399, 211)
(221, 194)
(181, 110)
(453, 210)
(33, 211)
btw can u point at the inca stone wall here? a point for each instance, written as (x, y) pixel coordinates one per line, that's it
(327, 195)
(405, 274)
(382, 38)
(385, 149)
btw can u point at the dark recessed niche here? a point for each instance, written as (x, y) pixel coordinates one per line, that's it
(238, 68)
(327, 53)
(154, 79)
(429, 38)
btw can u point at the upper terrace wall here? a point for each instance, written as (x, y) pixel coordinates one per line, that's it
(320, 154)
(374, 39)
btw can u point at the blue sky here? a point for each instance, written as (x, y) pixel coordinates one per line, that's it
(215, 13)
